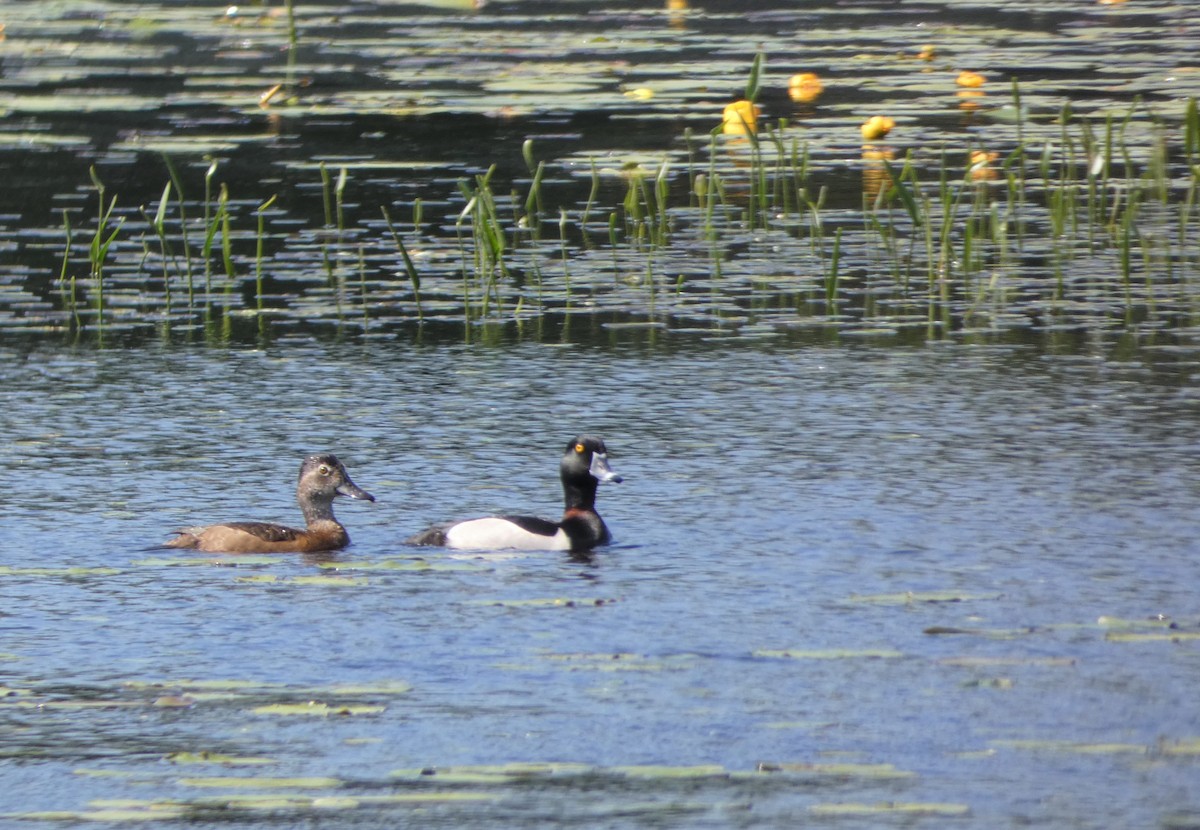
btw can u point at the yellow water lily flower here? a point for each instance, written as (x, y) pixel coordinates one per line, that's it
(740, 117)
(805, 87)
(981, 165)
(928, 52)
(971, 80)
(877, 126)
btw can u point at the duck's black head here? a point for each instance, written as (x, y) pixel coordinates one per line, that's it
(586, 459)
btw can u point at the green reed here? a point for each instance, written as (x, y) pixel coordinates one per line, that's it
(1088, 187)
(534, 209)
(564, 254)
(261, 214)
(158, 223)
(225, 221)
(362, 288)
(68, 297)
(185, 243)
(589, 204)
(414, 277)
(212, 227)
(102, 241)
(488, 246)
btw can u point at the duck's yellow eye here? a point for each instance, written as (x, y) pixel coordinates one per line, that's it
(324, 470)
(579, 448)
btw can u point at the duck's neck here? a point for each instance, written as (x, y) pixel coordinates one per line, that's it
(580, 495)
(317, 510)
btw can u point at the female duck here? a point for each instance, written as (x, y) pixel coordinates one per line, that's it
(584, 466)
(322, 478)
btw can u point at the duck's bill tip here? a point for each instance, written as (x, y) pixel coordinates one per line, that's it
(355, 492)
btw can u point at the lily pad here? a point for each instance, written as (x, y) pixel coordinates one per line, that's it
(205, 757)
(6, 570)
(990, 633)
(872, 771)
(662, 772)
(891, 807)
(263, 783)
(829, 654)
(984, 662)
(158, 812)
(492, 773)
(1039, 745)
(314, 709)
(916, 597)
(1183, 746)
(1148, 637)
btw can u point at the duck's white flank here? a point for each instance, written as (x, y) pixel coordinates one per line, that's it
(493, 532)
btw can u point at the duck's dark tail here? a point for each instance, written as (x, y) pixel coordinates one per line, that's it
(433, 537)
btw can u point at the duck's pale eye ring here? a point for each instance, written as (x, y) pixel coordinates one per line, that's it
(324, 470)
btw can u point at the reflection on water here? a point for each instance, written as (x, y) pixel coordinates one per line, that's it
(825, 556)
(252, 162)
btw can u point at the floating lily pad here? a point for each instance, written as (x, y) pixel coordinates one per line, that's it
(660, 772)
(401, 564)
(320, 710)
(430, 797)
(829, 654)
(872, 771)
(492, 773)
(990, 633)
(263, 783)
(205, 757)
(255, 802)
(153, 812)
(1123, 624)
(1183, 746)
(232, 561)
(326, 581)
(227, 685)
(918, 597)
(891, 807)
(1156, 637)
(983, 662)
(1038, 745)
(6, 570)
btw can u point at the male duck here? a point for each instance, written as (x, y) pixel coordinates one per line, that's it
(584, 466)
(322, 477)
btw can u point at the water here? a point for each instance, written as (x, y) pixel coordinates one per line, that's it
(774, 492)
(855, 573)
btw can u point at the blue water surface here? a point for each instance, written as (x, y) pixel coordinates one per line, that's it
(780, 499)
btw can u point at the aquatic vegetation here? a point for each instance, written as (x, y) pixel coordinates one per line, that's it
(761, 224)
(805, 87)
(946, 234)
(740, 117)
(970, 80)
(876, 127)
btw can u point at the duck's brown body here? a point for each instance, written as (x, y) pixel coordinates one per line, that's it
(322, 478)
